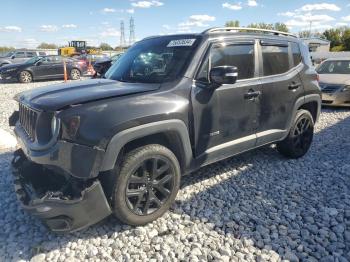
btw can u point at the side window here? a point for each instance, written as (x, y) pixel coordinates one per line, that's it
(31, 54)
(20, 55)
(48, 59)
(275, 59)
(296, 53)
(240, 56)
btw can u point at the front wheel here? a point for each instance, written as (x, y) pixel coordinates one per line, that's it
(300, 136)
(75, 74)
(25, 77)
(146, 185)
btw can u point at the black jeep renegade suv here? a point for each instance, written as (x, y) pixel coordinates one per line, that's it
(169, 106)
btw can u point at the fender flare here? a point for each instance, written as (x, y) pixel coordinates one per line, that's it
(301, 101)
(120, 139)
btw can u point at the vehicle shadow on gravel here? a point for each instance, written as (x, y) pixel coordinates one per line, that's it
(300, 209)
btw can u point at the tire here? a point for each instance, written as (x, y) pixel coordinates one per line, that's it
(136, 184)
(75, 74)
(300, 136)
(25, 77)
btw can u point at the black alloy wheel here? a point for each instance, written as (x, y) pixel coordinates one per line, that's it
(303, 134)
(300, 136)
(150, 186)
(146, 184)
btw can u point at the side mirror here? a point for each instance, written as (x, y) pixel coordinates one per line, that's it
(13, 57)
(38, 63)
(221, 75)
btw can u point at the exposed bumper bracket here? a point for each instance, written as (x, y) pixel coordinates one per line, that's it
(61, 213)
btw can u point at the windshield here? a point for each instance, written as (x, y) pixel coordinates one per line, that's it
(334, 67)
(115, 58)
(33, 60)
(154, 60)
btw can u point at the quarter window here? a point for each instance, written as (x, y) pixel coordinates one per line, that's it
(240, 56)
(275, 59)
(296, 54)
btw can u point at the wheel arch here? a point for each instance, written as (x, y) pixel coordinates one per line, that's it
(27, 70)
(172, 134)
(312, 103)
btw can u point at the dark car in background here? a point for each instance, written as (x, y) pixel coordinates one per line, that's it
(42, 67)
(19, 56)
(102, 66)
(334, 77)
(90, 58)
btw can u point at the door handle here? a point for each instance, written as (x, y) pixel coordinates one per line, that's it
(294, 86)
(252, 94)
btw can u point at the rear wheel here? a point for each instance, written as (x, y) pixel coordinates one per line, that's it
(146, 185)
(25, 77)
(300, 136)
(74, 74)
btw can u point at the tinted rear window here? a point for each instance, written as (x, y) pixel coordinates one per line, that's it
(275, 59)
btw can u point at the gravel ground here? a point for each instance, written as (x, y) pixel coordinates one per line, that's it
(254, 207)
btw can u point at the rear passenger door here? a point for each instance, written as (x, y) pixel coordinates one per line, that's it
(57, 66)
(280, 64)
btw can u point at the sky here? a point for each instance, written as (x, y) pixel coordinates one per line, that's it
(26, 23)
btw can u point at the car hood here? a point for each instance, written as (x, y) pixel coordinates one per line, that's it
(10, 66)
(56, 97)
(335, 79)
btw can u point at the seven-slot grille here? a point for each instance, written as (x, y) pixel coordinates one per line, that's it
(330, 88)
(27, 119)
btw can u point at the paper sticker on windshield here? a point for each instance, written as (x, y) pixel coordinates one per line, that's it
(181, 42)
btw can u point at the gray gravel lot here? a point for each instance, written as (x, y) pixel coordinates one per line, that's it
(257, 206)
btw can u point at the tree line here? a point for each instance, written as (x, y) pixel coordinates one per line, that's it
(339, 37)
(102, 46)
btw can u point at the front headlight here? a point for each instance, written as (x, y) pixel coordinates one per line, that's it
(346, 88)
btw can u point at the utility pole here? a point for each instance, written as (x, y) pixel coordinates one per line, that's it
(310, 29)
(132, 31)
(122, 34)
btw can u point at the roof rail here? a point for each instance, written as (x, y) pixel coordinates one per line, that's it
(229, 29)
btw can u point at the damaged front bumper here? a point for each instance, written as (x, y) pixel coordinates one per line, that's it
(63, 204)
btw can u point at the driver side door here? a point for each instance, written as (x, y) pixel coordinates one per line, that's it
(225, 118)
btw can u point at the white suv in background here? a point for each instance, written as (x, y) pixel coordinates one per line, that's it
(19, 56)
